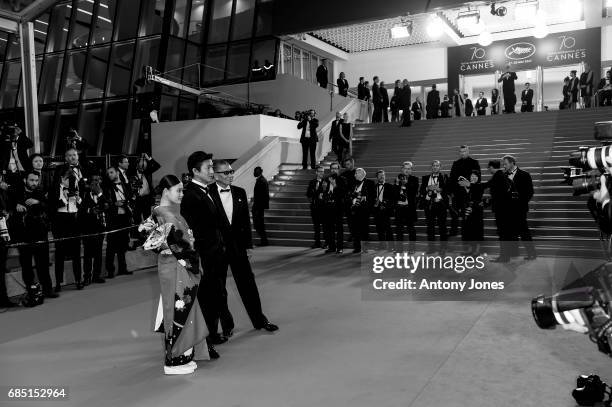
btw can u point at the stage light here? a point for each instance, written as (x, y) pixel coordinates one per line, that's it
(434, 27)
(500, 11)
(401, 31)
(540, 30)
(526, 11)
(485, 38)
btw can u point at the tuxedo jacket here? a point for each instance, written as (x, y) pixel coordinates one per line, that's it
(573, 86)
(527, 96)
(88, 218)
(412, 191)
(433, 100)
(236, 231)
(417, 108)
(443, 183)
(469, 107)
(388, 194)
(335, 131)
(361, 91)
(385, 97)
(31, 225)
(368, 190)
(204, 220)
(313, 193)
(522, 184)
(602, 83)
(110, 195)
(481, 106)
(342, 87)
(6, 147)
(499, 186)
(261, 194)
(376, 96)
(314, 123)
(152, 166)
(508, 83)
(62, 168)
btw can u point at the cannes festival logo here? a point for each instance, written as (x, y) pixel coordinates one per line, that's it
(520, 50)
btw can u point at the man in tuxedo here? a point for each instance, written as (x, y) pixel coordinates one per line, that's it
(92, 219)
(521, 192)
(433, 103)
(604, 88)
(377, 101)
(434, 201)
(527, 99)
(406, 192)
(383, 207)
(348, 180)
(417, 108)
(361, 94)
(123, 166)
(405, 104)
(261, 202)
(14, 153)
(73, 163)
(142, 179)
(204, 218)
(361, 199)
(574, 87)
(385, 102)
(446, 107)
(469, 106)
(499, 188)
(507, 79)
(481, 104)
(309, 139)
(334, 208)
(119, 215)
(30, 224)
(321, 75)
(236, 231)
(342, 85)
(314, 193)
(335, 136)
(459, 178)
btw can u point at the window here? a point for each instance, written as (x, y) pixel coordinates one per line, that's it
(79, 35)
(191, 72)
(103, 26)
(58, 27)
(152, 17)
(146, 55)
(287, 59)
(187, 107)
(89, 124)
(114, 126)
(41, 24)
(168, 107)
(306, 66)
(10, 81)
(242, 26)
(238, 61)
(50, 78)
(14, 49)
(297, 65)
(264, 18)
(120, 70)
(215, 64)
(74, 76)
(127, 18)
(178, 18)
(96, 79)
(3, 44)
(196, 20)
(46, 126)
(220, 21)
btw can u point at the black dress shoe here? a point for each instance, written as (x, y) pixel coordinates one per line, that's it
(268, 326)
(79, 285)
(228, 333)
(51, 294)
(58, 288)
(98, 280)
(212, 352)
(217, 339)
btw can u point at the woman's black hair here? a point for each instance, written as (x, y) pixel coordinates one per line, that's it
(37, 155)
(477, 173)
(168, 181)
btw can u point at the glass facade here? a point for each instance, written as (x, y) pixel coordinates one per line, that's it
(90, 56)
(303, 64)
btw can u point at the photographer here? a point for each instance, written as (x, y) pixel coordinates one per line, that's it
(460, 173)
(14, 152)
(92, 219)
(361, 197)
(314, 193)
(29, 224)
(119, 215)
(309, 138)
(383, 206)
(64, 202)
(434, 201)
(74, 165)
(406, 192)
(142, 187)
(333, 199)
(4, 240)
(75, 141)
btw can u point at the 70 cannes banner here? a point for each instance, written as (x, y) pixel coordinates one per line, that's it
(558, 49)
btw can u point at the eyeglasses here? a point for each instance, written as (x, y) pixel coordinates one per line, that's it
(228, 172)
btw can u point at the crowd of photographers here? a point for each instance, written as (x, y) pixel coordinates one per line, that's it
(80, 203)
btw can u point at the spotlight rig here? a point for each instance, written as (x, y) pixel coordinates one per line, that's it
(499, 11)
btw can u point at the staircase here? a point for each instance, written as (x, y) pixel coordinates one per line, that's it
(541, 142)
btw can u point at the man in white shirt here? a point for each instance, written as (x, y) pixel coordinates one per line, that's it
(236, 232)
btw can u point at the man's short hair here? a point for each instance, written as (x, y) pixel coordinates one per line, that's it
(361, 78)
(218, 163)
(351, 159)
(495, 164)
(526, 83)
(380, 172)
(374, 78)
(30, 172)
(258, 171)
(509, 158)
(71, 149)
(405, 163)
(433, 86)
(196, 159)
(334, 163)
(436, 161)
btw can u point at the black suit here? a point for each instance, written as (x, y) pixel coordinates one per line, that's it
(605, 96)
(335, 138)
(377, 100)
(315, 196)
(143, 203)
(309, 141)
(417, 109)
(406, 208)
(118, 217)
(433, 104)
(92, 220)
(469, 107)
(361, 204)
(527, 100)
(521, 192)
(261, 202)
(333, 204)
(435, 208)
(508, 89)
(574, 86)
(385, 104)
(361, 91)
(405, 98)
(20, 153)
(342, 87)
(237, 237)
(322, 76)
(481, 106)
(462, 167)
(205, 220)
(383, 209)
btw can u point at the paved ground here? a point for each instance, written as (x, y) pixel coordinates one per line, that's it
(333, 348)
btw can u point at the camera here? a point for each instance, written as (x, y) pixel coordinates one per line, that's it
(10, 131)
(586, 310)
(589, 390)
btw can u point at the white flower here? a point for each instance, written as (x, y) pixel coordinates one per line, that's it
(179, 304)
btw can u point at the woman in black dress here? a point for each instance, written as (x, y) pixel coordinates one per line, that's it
(472, 213)
(494, 101)
(566, 94)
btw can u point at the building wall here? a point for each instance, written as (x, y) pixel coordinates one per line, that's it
(415, 63)
(606, 43)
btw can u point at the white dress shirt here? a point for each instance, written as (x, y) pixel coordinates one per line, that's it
(227, 201)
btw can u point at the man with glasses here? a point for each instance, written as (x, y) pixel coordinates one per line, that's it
(236, 232)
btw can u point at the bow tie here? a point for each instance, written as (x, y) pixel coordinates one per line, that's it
(224, 190)
(74, 166)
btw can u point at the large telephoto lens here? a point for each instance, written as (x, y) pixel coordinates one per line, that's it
(585, 183)
(548, 311)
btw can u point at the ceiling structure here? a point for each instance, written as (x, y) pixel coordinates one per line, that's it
(376, 34)
(17, 11)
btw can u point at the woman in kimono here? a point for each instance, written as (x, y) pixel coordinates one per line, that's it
(179, 315)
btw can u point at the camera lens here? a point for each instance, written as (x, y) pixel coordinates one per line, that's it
(541, 308)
